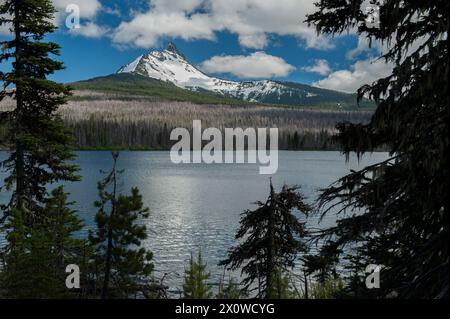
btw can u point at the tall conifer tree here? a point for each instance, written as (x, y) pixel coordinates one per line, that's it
(36, 257)
(403, 221)
(123, 266)
(273, 236)
(39, 151)
(39, 143)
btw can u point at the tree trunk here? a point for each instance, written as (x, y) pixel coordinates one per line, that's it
(270, 248)
(110, 236)
(306, 286)
(20, 157)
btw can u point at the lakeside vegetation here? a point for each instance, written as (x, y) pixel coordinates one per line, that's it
(108, 123)
(129, 86)
(132, 85)
(393, 214)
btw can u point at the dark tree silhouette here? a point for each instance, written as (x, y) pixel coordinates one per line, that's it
(117, 239)
(272, 239)
(40, 145)
(37, 225)
(34, 263)
(402, 222)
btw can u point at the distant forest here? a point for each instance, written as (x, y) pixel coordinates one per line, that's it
(101, 121)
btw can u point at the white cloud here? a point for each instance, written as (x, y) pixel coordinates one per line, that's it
(113, 11)
(360, 73)
(320, 66)
(88, 12)
(362, 46)
(253, 41)
(251, 20)
(90, 30)
(187, 6)
(88, 8)
(365, 46)
(256, 65)
(366, 71)
(5, 29)
(145, 30)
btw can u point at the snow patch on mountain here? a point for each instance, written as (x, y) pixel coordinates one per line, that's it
(171, 66)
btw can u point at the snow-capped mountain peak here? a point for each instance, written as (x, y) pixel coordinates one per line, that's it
(171, 47)
(167, 65)
(170, 65)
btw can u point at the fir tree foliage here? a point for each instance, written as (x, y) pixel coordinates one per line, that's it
(281, 287)
(229, 289)
(272, 238)
(35, 260)
(39, 143)
(401, 203)
(122, 265)
(196, 279)
(332, 288)
(322, 268)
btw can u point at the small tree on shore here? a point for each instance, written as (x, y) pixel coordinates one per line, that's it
(121, 265)
(196, 275)
(36, 258)
(229, 289)
(272, 239)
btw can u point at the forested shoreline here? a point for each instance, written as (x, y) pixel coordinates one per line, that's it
(108, 123)
(392, 217)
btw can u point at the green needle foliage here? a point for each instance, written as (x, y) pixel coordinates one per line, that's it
(272, 239)
(280, 288)
(323, 268)
(195, 280)
(403, 208)
(122, 267)
(39, 143)
(37, 226)
(330, 289)
(62, 224)
(36, 258)
(229, 290)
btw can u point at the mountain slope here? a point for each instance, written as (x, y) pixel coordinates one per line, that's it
(171, 66)
(129, 85)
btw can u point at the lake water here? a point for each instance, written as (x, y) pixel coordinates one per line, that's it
(198, 206)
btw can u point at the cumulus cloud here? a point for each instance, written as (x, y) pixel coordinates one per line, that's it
(5, 28)
(253, 41)
(90, 30)
(256, 65)
(365, 71)
(251, 20)
(88, 8)
(145, 30)
(361, 47)
(320, 66)
(360, 73)
(187, 6)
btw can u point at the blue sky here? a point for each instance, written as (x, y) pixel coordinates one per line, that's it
(113, 33)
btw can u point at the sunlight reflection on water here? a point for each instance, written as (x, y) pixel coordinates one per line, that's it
(197, 205)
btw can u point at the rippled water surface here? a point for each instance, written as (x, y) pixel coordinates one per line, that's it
(197, 205)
